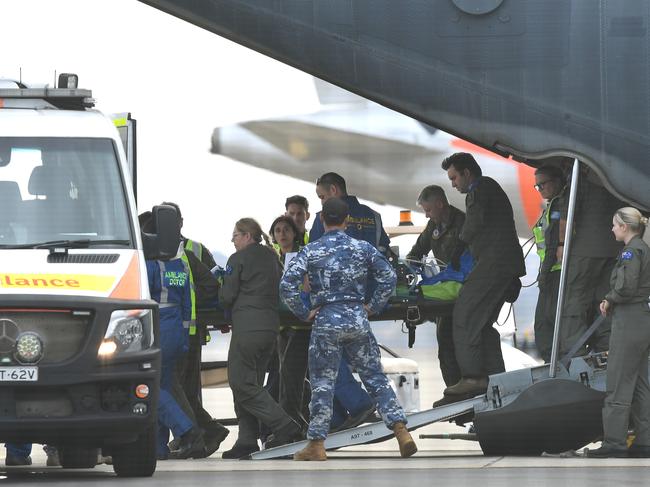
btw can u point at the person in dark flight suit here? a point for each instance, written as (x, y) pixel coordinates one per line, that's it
(628, 390)
(489, 231)
(591, 259)
(251, 291)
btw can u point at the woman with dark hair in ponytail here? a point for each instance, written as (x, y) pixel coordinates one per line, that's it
(250, 292)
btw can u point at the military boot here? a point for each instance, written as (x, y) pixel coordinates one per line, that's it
(407, 446)
(468, 386)
(313, 452)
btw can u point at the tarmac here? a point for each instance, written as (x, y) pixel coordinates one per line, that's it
(438, 461)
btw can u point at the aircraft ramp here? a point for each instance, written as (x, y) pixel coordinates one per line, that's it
(376, 432)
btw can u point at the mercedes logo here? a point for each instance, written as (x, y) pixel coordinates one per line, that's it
(8, 333)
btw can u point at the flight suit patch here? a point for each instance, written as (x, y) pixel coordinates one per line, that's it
(627, 255)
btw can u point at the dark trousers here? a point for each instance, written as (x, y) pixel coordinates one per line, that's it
(476, 342)
(293, 347)
(446, 351)
(248, 358)
(171, 411)
(545, 313)
(628, 388)
(189, 374)
(587, 285)
(272, 385)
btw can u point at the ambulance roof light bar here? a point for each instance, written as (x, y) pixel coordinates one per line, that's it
(66, 96)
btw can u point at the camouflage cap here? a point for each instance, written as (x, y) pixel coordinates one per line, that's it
(335, 210)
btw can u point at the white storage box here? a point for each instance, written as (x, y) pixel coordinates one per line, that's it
(405, 380)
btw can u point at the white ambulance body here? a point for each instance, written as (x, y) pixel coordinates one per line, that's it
(79, 357)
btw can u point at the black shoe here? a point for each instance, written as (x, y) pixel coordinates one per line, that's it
(213, 437)
(52, 456)
(239, 451)
(468, 386)
(190, 445)
(288, 434)
(173, 445)
(356, 420)
(16, 461)
(162, 456)
(606, 452)
(446, 399)
(639, 451)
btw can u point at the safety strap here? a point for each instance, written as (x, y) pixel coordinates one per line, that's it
(582, 340)
(414, 317)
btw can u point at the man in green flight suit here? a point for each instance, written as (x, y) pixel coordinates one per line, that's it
(441, 236)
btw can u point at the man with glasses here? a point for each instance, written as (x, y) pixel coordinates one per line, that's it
(549, 238)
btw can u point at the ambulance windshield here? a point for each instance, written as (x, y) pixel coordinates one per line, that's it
(60, 189)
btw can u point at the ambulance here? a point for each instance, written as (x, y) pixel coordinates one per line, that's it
(79, 354)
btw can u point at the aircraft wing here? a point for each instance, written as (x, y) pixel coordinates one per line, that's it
(311, 143)
(371, 165)
(379, 169)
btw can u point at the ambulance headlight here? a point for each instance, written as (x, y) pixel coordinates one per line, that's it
(128, 331)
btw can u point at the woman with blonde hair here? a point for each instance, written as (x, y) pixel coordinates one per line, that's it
(250, 291)
(628, 390)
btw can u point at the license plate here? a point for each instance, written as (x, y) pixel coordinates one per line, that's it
(18, 374)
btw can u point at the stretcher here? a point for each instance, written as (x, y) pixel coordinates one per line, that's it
(411, 309)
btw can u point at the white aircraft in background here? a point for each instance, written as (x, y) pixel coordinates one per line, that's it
(385, 157)
(178, 98)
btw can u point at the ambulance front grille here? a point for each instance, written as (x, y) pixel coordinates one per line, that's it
(82, 258)
(61, 331)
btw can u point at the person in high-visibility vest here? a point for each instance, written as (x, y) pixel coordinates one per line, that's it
(549, 239)
(204, 289)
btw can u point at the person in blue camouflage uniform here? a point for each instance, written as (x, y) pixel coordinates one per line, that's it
(339, 269)
(352, 404)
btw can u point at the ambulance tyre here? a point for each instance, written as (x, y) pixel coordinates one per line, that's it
(76, 457)
(137, 459)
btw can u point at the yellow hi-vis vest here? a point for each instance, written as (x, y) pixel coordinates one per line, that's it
(539, 231)
(305, 241)
(189, 247)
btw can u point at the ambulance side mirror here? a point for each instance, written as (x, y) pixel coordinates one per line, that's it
(161, 236)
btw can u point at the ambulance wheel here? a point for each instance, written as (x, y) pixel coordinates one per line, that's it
(137, 459)
(76, 457)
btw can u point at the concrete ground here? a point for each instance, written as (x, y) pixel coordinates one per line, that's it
(438, 462)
